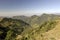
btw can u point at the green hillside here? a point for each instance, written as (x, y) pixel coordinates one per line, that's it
(10, 28)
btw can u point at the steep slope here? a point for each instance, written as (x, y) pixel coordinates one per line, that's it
(55, 33)
(38, 33)
(43, 28)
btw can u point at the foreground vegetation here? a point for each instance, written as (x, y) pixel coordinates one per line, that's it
(38, 33)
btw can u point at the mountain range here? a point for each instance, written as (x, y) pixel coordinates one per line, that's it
(30, 27)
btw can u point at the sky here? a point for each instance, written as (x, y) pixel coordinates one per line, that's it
(28, 7)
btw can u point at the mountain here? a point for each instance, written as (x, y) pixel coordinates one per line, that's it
(37, 20)
(44, 27)
(24, 18)
(10, 28)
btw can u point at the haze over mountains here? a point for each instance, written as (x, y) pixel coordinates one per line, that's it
(30, 28)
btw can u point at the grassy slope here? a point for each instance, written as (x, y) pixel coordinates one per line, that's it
(55, 33)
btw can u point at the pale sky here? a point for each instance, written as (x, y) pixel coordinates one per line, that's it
(28, 7)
